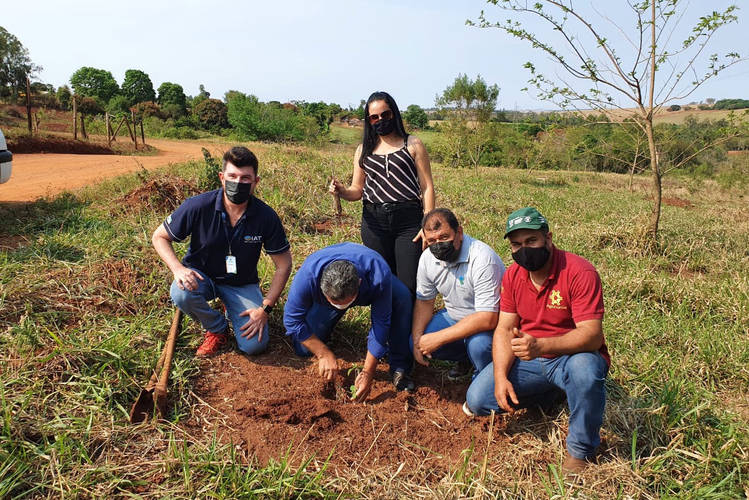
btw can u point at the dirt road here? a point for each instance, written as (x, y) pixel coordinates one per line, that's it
(37, 175)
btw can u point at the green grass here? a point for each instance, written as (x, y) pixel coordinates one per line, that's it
(84, 307)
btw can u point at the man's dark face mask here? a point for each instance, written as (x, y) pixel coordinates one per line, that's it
(238, 192)
(532, 258)
(444, 250)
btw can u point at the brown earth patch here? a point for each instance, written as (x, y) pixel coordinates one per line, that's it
(677, 202)
(276, 405)
(54, 144)
(13, 241)
(161, 194)
(48, 144)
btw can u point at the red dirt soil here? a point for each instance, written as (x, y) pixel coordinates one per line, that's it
(39, 175)
(275, 403)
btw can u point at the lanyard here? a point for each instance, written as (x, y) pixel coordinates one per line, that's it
(226, 231)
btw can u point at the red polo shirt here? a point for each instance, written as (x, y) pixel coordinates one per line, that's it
(572, 293)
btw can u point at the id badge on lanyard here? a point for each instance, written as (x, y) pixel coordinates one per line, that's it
(231, 264)
(231, 260)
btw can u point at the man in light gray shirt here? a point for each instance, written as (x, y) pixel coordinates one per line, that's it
(468, 275)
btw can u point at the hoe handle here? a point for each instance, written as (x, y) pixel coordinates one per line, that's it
(168, 353)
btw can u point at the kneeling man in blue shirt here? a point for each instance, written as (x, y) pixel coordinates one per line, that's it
(227, 228)
(329, 282)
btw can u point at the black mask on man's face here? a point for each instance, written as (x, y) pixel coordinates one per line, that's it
(237, 192)
(444, 250)
(532, 258)
(384, 127)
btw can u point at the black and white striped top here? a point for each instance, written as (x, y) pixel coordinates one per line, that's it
(391, 177)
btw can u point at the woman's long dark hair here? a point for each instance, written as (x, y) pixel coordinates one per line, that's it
(369, 139)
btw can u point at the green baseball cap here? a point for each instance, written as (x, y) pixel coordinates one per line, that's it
(526, 218)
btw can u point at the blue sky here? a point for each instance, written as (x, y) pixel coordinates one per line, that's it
(335, 51)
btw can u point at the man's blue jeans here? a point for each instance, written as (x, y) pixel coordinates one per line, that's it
(477, 348)
(322, 318)
(237, 299)
(581, 376)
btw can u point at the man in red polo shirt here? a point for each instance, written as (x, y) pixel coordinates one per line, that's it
(549, 337)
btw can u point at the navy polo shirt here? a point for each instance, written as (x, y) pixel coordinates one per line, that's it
(205, 221)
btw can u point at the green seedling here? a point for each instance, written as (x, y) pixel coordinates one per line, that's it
(356, 369)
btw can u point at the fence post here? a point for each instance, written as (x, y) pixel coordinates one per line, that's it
(75, 119)
(135, 131)
(28, 104)
(109, 137)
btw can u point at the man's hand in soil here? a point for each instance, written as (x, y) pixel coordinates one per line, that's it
(363, 384)
(187, 279)
(504, 392)
(256, 323)
(524, 346)
(327, 366)
(418, 357)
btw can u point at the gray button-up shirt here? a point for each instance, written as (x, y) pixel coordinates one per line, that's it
(469, 284)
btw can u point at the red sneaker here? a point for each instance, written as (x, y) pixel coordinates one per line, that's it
(213, 343)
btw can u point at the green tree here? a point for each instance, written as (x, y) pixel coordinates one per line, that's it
(203, 94)
(118, 105)
(94, 82)
(254, 120)
(15, 65)
(212, 115)
(172, 99)
(88, 106)
(416, 117)
(64, 96)
(137, 87)
(658, 71)
(468, 106)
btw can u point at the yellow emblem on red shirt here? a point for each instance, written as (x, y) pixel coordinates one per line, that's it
(555, 300)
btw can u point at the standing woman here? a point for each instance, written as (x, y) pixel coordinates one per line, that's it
(393, 176)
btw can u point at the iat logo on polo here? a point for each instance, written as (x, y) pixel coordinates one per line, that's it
(252, 239)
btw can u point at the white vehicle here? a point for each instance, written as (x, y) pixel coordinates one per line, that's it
(6, 158)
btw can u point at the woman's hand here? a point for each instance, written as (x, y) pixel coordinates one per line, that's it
(335, 187)
(420, 236)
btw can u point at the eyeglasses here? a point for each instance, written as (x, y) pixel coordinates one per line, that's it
(385, 115)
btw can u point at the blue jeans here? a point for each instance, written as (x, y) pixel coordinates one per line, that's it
(581, 376)
(477, 348)
(322, 318)
(237, 299)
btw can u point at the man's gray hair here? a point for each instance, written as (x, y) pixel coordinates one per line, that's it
(339, 280)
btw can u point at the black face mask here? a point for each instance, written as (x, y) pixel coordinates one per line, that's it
(384, 127)
(444, 250)
(237, 192)
(531, 258)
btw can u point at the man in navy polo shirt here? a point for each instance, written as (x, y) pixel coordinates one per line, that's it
(227, 228)
(329, 282)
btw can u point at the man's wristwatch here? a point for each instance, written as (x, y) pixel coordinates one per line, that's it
(267, 308)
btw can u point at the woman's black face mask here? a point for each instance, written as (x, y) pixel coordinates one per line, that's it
(384, 127)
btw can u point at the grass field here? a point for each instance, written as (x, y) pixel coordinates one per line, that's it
(84, 308)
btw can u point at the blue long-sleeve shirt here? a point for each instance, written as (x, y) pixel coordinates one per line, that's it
(375, 290)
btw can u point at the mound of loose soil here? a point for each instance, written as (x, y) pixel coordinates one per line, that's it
(276, 403)
(162, 194)
(53, 144)
(64, 145)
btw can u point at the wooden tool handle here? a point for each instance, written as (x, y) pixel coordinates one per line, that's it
(169, 351)
(337, 204)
